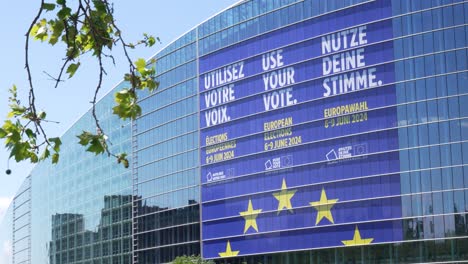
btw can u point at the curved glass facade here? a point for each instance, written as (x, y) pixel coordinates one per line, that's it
(81, 209)
(6, 237)
(283, 131)
(166, 169)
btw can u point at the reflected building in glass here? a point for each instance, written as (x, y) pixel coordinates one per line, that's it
(283, 131)
(81, 209)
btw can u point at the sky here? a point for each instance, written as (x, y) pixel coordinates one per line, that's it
(164, 19)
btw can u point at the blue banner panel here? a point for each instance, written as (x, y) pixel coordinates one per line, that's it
(326, 123)
(345, 191)
(364, 172)
(299, 137)
(306, 215)
(258, 77)
(334, 117)
(285, 88)
(318, 237)
(348, 174)
(286, 96)
(313, 28)
(346, 149)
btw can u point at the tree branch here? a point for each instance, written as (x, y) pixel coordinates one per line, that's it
(32, 96)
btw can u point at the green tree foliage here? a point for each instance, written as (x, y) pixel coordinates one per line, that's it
(191, 260)
(84, 27)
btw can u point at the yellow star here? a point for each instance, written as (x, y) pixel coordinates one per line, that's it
(284, 198)
(323, 208)
(228, 253)
(250, 217)
(357, 240)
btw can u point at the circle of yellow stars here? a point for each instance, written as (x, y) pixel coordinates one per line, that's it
(284, 196)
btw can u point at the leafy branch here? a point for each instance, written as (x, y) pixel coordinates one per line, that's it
(191, 260)
(85, 26)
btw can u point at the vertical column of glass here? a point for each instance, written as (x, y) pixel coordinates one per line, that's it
(82, 206)
(431, 72)
(21, 243)
(166, 179)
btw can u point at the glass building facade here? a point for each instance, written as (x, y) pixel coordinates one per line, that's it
(166, 169)
(283, 131)
(79, 211)
(21, 225)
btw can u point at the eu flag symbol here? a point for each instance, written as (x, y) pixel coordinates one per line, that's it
(306, 155)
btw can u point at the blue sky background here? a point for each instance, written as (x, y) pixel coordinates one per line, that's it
(165, 19)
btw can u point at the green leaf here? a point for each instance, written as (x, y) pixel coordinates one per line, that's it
(126, 105)
(48, 6)
(140, 64)
(57, 28)
(2, 133)
(150, 84)
(72, 69)
(33, 157)
(12, 133)
(34, 29)
(125, 163)
(84, 137)
(57, 143)
(149, 40)
(42, 115)
(72, 51)
(16, 110)
(41, 34)
(134, 80)
(96, 146)
(96, 143)
(122, 94)
(191, 260)
(122, 159)
(13, 91)
(45, 154)
(39, 31)
(20, 151)
(55, 158)
(100, 6)
(64, 13)
(30, 133)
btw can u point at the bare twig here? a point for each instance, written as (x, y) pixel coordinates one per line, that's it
(52, 78)
(32, 97)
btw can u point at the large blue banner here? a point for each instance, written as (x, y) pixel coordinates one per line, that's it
(299, 139)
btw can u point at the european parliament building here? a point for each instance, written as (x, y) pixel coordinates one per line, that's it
(283, 131)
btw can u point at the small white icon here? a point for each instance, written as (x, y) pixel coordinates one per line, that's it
(360, 149)
(208, 177)
(276, 163)
(331, 155)
(287, 161)
(345, 152)
(268, 165)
